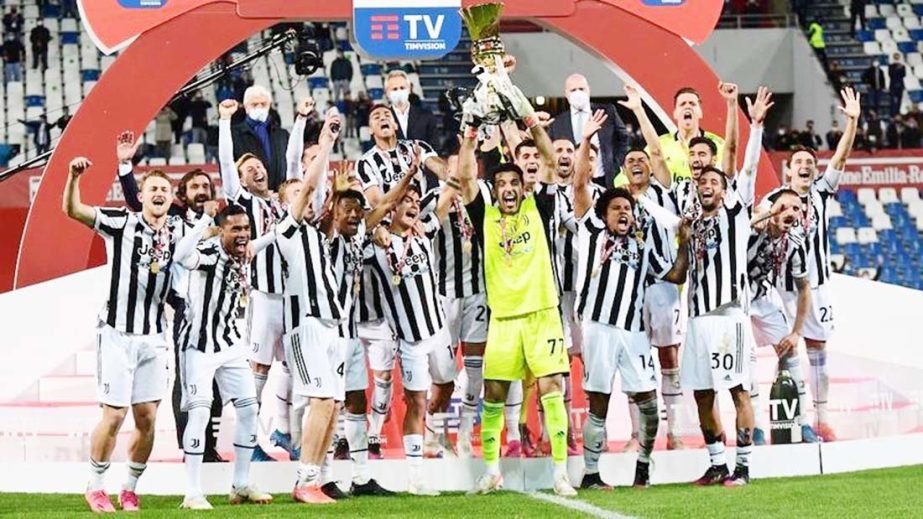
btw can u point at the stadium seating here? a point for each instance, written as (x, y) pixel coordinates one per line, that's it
(879, 233)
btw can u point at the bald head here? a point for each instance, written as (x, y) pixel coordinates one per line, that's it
(576, 82)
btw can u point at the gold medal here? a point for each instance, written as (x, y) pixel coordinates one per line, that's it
(596, 272)
(155, 267)
(244, 300)
(466, 246)
(396, 280)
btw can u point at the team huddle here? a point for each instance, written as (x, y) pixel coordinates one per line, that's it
(520, 266)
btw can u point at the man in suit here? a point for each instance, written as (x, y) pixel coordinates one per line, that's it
(612, 139)
(262, 136)
(414, 123)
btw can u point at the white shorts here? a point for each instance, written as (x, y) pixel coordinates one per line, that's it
(357, 377)
(380, 343)
(130, 369)
(663, 314)
(228, 367)
(466, 318)
(264, 322)
(609, 349)
(314, 352)
(717, 352)
(573, 331)
(818, 325)
(770, 325)
(427, 361)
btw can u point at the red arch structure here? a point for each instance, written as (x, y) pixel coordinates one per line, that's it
(172, 46)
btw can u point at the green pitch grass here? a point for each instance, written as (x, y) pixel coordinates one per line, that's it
(876, 493)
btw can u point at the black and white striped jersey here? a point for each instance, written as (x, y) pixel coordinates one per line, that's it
(406, 272)
(771, 260)
(385, 169)
(347, 255)
(216, 281)
(310, 282)
(665, 239)
(718, 257)
(613, 271)
(815, 226)
(139, 261)
(461, 271)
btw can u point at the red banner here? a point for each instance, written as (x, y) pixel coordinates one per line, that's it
(890, 168)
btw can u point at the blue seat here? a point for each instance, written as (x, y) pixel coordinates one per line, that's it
(838, 221)
(864, 36)
(89, 75)
(918, 9)
(317, 82)
(70, 37)
(877, 23)
(845, 196)
(916, 34)
(376, 94)
(907, 46)
(370, 69)
(35, 101)
(916, 95)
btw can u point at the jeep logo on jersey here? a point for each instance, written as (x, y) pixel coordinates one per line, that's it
(407, 29)
(664, 3)
(142, 4)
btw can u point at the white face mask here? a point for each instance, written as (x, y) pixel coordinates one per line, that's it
(579, 99)
(398, 97)
(259, 114)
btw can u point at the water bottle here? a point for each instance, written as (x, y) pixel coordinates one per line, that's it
(784, 409)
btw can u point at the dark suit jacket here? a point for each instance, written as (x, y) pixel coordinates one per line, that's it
(246, 141)
(421, 125)
(613, 138)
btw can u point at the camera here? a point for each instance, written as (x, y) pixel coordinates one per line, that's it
(308, 57)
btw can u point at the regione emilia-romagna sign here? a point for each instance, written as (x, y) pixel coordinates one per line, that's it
(406, 29)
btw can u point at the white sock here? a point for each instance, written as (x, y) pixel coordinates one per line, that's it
(340, 430)
(259, 379)
(512, 411)
(308, 474)
(358, 447)
(97, 475)
(244, 439)
(755, 393)
(635, 415)
(194, 447)
(135, 470)
(716, 453)
(381, 403)
(413, 450)
(793, 364)
(594, 436)
(649, 421)
(560, 470)
(820, 382)
(474, 371)
(284, 401)
(672, 395)
(743, 455)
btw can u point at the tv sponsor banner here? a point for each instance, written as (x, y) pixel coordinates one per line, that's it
(407, 29)
(893, 168)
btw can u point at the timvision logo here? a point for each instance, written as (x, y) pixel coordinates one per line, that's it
(407, 29)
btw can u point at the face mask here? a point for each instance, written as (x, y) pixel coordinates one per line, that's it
(579, 99)
(398, 97)
(259, 114)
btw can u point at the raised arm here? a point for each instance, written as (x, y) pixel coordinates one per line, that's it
(73, 207)
(523, 111)
(314, 176)
(757, 109)
(658, 165)
(125, 149)
(731, 131)
(230, 178)
(678, 272)
(295, 148)
(851, 109)
(390, 200)
(467, 161)
(511, 135)
(583, 172)
(438, 166)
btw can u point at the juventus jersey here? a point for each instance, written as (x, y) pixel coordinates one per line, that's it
(406, 273)
(139, 260)
(347, 255)
(613, 271)
(311, 286)
(216, 281)
(770, 260)
(385, 169)
(665, 240)
(814, 226)
(718, 257)
(461, 271)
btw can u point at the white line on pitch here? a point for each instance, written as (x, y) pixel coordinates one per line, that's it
(580, 506)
